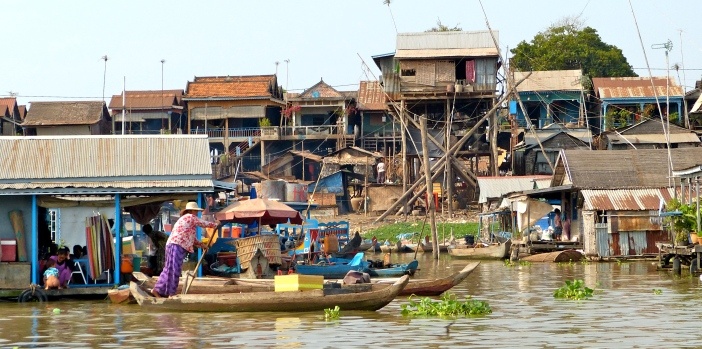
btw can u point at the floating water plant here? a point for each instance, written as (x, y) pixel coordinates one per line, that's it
(509, 263)
(332, 313)
(657, 291)
(448, 306)
(573, 290)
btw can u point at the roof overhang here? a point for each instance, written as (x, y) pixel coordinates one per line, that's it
(447, 53)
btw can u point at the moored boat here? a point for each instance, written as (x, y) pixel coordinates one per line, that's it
(555, 257)
(493, 251)
(313, 300)
(432, 287)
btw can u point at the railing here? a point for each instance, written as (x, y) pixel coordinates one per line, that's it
(232, 132)
(310, 130)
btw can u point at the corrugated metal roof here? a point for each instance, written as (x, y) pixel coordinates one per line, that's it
(307, 155)
(697, 107)
(496, 187)
(549, 80)
(622, 169)
(109, 186)
(626, 199)
(635, 87)
(654, 138)
(447, 39)
(371, 96)
(120, 162)
(447, 53)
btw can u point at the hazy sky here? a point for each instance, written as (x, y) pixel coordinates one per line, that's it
(52, 49)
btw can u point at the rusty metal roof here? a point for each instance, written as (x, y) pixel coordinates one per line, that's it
(114, 164)
(496, 187)
(626, 199)
(550, 80)
(635, 87)
(371, 96)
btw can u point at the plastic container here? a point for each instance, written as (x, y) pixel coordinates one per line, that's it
(127, 265)
(236, 231)
(9, 250)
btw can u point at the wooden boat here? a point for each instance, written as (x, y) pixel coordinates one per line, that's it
(429, 247)
(494, 251)
(399, 270)
(314, 300)
(122, 296)
(395, 248)
(217, 285)
(556, 256)
(430, 287)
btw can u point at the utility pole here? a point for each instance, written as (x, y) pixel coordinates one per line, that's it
(163, 61)
(431, 208)
(104, 76)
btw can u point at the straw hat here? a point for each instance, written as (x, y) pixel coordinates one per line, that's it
(191, 206)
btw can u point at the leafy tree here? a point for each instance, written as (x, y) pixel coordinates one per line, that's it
(567, 45)
(440, 27)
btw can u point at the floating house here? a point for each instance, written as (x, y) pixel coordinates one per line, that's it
(89, 179)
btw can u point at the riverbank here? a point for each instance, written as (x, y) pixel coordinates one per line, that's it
(464, 222)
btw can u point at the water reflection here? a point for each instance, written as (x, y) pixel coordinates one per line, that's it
(625, 312)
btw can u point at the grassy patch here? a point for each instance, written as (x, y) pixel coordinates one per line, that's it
(391, 231)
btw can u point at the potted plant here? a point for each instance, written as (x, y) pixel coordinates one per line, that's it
(685, 223)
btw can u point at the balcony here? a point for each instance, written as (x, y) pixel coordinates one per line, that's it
(311, 132)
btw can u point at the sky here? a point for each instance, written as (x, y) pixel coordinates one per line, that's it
(53, 49)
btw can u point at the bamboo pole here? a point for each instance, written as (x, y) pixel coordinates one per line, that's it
(403, 129)
(431, 207)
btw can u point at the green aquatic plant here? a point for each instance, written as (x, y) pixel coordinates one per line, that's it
(573, 290)
(332, 313)
(509, 263)
(657, 291)
(448, 306)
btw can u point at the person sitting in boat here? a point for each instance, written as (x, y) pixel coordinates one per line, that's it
(179, 244)
(64, 265)
(158, 258)
(51, 275)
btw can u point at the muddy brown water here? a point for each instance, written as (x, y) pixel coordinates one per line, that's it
(634, 306)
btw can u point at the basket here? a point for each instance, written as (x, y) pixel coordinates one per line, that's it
(268, 244)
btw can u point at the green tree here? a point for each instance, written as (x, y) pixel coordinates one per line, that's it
(440, 27)
(567, 45)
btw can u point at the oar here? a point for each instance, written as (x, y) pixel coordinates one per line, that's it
(188, 279)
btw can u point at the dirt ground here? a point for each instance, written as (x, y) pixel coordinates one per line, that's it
(362, 222)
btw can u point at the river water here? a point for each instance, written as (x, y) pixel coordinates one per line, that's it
(634, 306)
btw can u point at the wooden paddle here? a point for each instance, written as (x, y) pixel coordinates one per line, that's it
(190, 276)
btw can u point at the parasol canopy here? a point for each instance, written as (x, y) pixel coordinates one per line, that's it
(259, 210)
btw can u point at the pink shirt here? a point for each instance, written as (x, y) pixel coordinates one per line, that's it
(185, 230)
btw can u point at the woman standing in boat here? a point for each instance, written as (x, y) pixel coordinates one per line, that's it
(179, 244)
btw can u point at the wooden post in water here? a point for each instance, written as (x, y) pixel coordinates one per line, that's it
(403, 129)
(430, 188)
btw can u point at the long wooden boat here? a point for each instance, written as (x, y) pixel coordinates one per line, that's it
(495, 251)
(432, 287)
(556, 256)
(314, 300)
(216, 285)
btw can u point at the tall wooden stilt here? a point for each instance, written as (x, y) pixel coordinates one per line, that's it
(431, 208)
(405, 173)
(449, 168)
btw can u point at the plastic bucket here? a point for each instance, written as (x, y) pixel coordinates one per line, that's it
(127, 265)
(236, 231)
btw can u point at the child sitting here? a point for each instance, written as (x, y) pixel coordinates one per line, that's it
(51, 275)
